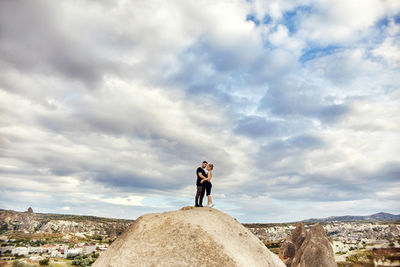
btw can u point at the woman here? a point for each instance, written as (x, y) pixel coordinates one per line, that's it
(207, 184)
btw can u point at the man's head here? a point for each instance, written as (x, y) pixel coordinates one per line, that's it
(204, 164)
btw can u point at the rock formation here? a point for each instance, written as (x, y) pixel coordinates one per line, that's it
(312, 249)
(187, 237)
(292, 244)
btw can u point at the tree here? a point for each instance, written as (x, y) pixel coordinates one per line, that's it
(44, 262)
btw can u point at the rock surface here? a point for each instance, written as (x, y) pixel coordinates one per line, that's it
(312, 249)
(187, 237)
(292, 244)
(315, 251)
(298, 235)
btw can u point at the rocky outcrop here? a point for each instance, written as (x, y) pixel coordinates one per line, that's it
(298, 235)
(307, 249)
(20, 221)
(292, 244)
(187, 237)
(30, 222)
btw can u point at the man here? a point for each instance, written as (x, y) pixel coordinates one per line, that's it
(201, 174)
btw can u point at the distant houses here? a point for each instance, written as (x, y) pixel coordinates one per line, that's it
(53, 250)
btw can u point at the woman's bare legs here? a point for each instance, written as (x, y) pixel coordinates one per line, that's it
(210, 203)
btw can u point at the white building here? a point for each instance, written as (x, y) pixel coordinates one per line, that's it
(73, 251)
(5, 249)
(36, 249)
(56, 253)
(89, 249)
(20, 251)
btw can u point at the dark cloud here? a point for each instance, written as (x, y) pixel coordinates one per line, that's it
(290, 100)
(33, 40)
(343, 185)
(333, 113)
(134, 183)
(277, 150)
(267, 126)
(256, 126)
(387, 173)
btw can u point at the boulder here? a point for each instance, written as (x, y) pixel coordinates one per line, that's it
(316, 250)
(187, 237)
(298, 235)
(287, 252)
(307, 249)
(292, 243)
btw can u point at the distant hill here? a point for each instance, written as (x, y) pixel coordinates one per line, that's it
(54, 216)
(30, 222)
(381, 216)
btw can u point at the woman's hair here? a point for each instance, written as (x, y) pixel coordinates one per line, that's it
(211, 166)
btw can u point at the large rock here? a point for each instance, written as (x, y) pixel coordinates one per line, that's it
(187, 237)
(298, 235)
(292, 244)
(312, 249)
(316, 250)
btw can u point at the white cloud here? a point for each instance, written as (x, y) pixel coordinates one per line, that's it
(276, 8)
(390, 51)
(127, 201)
(344, 21)
(282, 39)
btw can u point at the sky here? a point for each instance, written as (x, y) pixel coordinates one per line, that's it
(108, 107)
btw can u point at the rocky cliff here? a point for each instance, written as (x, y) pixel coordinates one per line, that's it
(187, 237)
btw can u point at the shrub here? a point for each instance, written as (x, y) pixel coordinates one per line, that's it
(84, 260)
(44, 262)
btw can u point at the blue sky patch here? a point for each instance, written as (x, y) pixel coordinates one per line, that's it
(291, 17)
(315, 52)
(252, 18)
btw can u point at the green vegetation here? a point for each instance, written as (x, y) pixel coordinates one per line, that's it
(85, 260)
(332, 233)
(3, 228)
(44, 262)
(361, 259)
(272, 244)
(18, 263)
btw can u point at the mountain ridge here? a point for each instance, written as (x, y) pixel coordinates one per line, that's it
(380, 216)
(59, 216)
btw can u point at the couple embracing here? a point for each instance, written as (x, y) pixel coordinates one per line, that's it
(204, 184)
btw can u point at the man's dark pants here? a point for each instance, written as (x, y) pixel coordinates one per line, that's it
(199, 195)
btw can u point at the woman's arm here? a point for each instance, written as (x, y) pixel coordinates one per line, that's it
(209, 176)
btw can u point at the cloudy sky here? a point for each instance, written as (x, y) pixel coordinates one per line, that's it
(108, 107)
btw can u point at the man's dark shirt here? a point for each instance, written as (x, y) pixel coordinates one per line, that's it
(203, 172)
